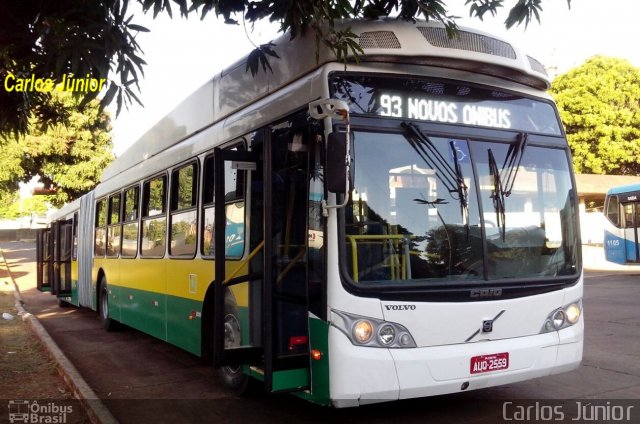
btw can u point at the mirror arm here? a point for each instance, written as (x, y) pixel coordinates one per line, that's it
(327, 110)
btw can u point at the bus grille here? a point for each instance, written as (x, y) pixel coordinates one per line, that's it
(467, 41)
(379, 40)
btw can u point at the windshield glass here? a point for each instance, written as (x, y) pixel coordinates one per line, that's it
(417, 212)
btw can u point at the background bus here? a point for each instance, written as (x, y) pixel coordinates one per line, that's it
(403, 227)
(622, 210)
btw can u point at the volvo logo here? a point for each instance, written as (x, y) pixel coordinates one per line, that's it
(400, 307)
(483, 293)
(487, 326)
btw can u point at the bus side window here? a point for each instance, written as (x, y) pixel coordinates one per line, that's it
(114, 229)
(207, 207)
(154, 218)
(234, 206)
(74, 252)
(628, 215)
(130, 226)
(184, 219)
(100, 233)
(613, 210)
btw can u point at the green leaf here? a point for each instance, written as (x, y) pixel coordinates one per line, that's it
(140, 28)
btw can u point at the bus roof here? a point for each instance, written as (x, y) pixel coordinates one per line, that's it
(387, 40)
(624, 189)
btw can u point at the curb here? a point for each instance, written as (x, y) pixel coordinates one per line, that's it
(95, 409)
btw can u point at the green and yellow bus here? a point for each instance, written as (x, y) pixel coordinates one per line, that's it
(402, 226)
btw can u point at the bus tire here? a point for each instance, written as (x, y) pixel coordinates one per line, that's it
(232, 376)
(64, 304)
(103, 307)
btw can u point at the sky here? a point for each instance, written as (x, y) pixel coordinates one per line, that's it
(183, 54)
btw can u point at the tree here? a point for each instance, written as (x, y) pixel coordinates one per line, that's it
(11, 207)
(50, 39)
(599, 103)
(68, 159)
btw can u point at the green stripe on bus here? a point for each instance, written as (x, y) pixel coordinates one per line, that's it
(145, 311)
(290, 379)
(319, 338)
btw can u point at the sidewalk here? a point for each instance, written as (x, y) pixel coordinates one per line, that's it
(29, 376)
(593, 260)
(35, 369)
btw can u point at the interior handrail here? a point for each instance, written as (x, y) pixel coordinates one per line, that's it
(353, 239)
(244, 262)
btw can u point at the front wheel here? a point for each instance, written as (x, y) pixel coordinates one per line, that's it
(232, 376)
(103, 307)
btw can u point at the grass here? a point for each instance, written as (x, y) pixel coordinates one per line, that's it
(25, 369)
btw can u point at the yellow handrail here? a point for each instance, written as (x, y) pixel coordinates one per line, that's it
(394, 261)
(244, 262)
(290, 265)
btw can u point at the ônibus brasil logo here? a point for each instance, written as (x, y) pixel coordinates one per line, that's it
(26, 411)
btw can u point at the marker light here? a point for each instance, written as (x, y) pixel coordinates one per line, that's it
(362, 331)
(316, 354)
(406, 340)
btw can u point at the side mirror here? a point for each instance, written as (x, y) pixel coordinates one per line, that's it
(337, 169)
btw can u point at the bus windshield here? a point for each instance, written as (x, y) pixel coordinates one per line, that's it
(431, 208)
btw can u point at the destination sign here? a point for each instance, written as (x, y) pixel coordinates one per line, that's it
(440, 111)
(447, 102)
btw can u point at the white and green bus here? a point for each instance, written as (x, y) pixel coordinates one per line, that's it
(400, 226)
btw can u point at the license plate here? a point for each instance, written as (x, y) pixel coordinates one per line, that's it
(489, 363)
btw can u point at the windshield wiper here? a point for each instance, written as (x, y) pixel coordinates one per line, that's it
(508, 174)
(463, 190)
(451, 177)
(512, 162)
(497, 194)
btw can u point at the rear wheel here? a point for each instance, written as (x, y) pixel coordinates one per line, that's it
(103, 307)
(64, 303)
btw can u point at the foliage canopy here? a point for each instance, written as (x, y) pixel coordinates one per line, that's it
(49, 39)
(68, 159)
(599, 103)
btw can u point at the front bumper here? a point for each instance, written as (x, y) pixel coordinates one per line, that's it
(362, 375)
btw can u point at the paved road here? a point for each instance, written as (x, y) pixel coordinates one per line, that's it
(142, 380)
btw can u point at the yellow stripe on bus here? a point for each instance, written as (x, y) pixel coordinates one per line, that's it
(188, 279)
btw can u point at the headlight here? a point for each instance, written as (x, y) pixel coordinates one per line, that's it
(361, 330)
(573, 313)
(386, 334)
(563, 317)
(558, 319)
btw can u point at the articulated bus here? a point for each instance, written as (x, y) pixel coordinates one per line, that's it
(622, 210)
(401, 226)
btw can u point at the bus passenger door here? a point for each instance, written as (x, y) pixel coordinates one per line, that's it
(277, 323)
(43, 257)
(237, 316)
(286, 205)
(631, 216)
(66, 247)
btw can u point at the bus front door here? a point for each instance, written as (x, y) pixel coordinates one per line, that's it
(631, 228)
(274, 320)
